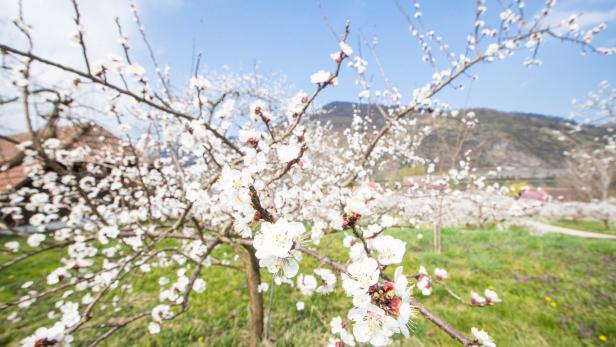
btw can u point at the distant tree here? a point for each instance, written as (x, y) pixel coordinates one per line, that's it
(591, 169)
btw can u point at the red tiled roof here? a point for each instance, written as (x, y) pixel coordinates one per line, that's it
(97, 138)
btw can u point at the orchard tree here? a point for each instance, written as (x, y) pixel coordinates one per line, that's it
(232, 161)
(591, 168)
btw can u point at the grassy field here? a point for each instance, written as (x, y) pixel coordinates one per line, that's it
(587, 225)
(578, 275)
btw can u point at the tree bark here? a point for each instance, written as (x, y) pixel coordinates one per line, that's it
(255, 303)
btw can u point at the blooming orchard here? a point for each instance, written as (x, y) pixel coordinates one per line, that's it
(231, 162)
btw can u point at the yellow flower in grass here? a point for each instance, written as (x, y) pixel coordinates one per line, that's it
(548, 299)
(602, 338)
(554, 305)
(200, 339)
(11, 276)
(491, 287)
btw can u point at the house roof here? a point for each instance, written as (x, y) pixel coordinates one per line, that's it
(89, 135)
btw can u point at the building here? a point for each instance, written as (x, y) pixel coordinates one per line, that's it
(94, 140)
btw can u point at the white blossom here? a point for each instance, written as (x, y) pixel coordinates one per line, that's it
(363, 274)
(307, 284)
(321, 76)
(154, 328)
(372, 325)
(482, 338)
(390, 250)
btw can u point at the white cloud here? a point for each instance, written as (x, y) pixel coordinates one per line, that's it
(586, 19)
(592, 18)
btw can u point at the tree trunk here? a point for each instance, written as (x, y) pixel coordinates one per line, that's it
(255, 306)
(437, 228)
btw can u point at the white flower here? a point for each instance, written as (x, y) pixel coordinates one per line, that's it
(357, 252)
(254, 161)
(405, 313)
(232, 180)
(364, 273)
(390, 250)
(87, 299)
(492, 49)
(482, 338)
(246, 135)
(226, 109)
(373, 230)
(263, 287)
(257, 109)
(440, 274)
(274, 246)
(422, 270)
(400, 285)
(356, 205)
(361, 299)
(199, 83)
(161, 312)
(108, 232)
(491, 296)
(70, 314)
(277, 239)
(306, 284)
(372, 325)
(321, 76)
(358, 64)
(199, 285)
(235, 196)
(12, 246)
(26, 301)
(477, 299)
(346, 48)
(286, 153)
(153, 328)
(57, 275)
(299, 305)
(13, 317)
(317, 231)
(388, 221)
(296, 104)
(347, 338)
(328, 281)
(163, 281)
(424, 284)
(56, 333)
(27, 285)
(336, 325)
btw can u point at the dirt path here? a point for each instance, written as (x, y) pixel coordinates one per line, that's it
(547, 228)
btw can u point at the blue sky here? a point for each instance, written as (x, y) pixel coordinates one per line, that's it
(291, 38)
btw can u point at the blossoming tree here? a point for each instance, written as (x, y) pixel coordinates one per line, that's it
(228, 161)
(592, 168)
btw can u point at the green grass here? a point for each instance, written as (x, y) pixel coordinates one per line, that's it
(587, 225)
(578, 274)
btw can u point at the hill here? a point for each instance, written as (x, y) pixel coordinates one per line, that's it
(525, 145)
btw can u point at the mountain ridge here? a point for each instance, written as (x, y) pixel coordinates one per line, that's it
(521, 141)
